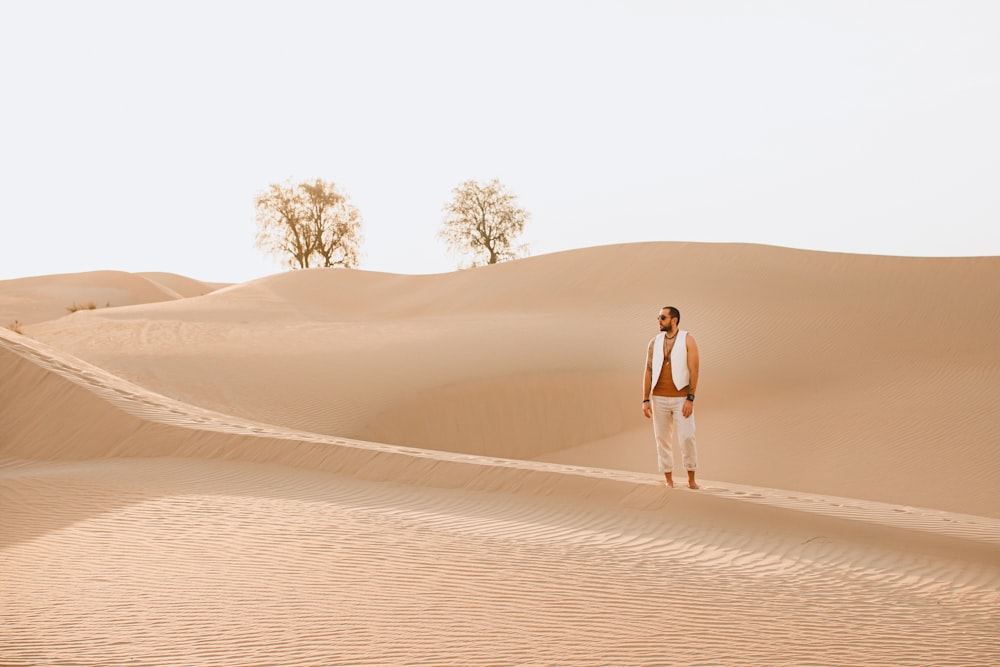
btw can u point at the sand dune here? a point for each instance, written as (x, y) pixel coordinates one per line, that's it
(37, 299)
(859, 376)
(348, 468)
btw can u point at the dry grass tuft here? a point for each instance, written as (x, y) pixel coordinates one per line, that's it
(15, 326)
(90, 305)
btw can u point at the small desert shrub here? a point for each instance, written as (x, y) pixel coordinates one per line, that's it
(15, 326)
(90, 305)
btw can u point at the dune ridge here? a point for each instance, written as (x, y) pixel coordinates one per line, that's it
(160, 427)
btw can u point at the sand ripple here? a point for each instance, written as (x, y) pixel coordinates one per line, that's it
(227, 563)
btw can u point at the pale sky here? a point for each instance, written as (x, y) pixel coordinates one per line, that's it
(135, 135)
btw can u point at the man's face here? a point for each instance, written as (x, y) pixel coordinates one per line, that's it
(666, 323)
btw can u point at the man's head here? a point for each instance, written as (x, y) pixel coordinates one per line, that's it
(670, 318)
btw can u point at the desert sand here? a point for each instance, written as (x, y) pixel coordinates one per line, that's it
(331, 467)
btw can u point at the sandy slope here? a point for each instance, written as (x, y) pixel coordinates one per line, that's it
(223, 483)
(188, 537)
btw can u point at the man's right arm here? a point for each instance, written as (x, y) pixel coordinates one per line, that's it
(647, 380)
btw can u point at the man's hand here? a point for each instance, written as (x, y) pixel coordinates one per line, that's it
(687, 409)
(647, 409)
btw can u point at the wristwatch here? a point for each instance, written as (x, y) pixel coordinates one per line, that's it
(691, 397)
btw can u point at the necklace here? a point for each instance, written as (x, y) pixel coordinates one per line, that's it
(666, 352)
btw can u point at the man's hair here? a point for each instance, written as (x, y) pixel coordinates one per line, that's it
(673, 313)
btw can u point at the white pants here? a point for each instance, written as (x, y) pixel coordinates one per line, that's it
(671, 427)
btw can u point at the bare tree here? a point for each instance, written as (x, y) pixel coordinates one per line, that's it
(484, 220)
(280, 228)
(309, 224)
(334, 222)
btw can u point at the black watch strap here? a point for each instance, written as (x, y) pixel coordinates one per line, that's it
(691, 397)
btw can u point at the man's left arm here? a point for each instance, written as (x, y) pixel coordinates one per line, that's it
(694, 363)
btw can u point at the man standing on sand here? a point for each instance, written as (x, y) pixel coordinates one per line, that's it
(668, 388)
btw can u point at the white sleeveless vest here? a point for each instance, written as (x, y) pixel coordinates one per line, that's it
(678, 360)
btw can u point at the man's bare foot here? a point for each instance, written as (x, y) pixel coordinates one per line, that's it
(691, 483)
(669, 480)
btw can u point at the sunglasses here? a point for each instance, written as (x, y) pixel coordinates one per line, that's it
(663, 317)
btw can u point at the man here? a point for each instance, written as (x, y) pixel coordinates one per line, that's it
(668, 389)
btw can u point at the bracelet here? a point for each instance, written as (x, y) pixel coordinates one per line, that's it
(646, 400)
